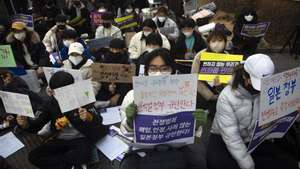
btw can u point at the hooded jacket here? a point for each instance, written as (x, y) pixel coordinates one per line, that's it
(237, 113)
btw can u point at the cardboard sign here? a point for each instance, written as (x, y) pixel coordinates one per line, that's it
(27, 19)
(73, 96)
(221, 65)
(255, 30)
(126, 22)
(280, 96)
(6, 56)
(15, 103)
(49, 71)
(96, 18)
(275, 129)
(117, 73)
(165, 94)
(168, 129)
(99, 43)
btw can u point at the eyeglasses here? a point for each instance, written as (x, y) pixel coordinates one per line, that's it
(163, 68)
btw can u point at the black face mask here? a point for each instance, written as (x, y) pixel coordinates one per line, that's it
(106, 25)
(61, 27)
(116, 58)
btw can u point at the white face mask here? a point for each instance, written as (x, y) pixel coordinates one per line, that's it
(20, 36)
(217, 46)
(158, 73)
(75, 59)
(129, 10)
(161, 18)
(249, 18)
(187, 34)
(137, 10)
(102, 10)
(147, 33)
(67, 43)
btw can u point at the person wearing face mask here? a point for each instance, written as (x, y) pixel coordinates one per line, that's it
(189, 41)
(157, 63)
(137, 45)
(107, 29)
(79, 17)
(208, 93)
(69, 37)
(27, 48)
(242, 44)
(130, 10)
(53, 38)
(164, 22)
(235, 120)
(115, 92)
(78, 62)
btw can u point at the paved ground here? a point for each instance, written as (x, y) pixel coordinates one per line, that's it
(19, 160)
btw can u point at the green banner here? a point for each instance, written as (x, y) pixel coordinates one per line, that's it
(6, 56)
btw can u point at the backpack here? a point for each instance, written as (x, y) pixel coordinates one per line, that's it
(160, 157)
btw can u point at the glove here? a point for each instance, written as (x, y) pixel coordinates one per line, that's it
(131, 112)
(201, 117)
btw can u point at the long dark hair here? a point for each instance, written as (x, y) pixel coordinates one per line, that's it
(239, 74)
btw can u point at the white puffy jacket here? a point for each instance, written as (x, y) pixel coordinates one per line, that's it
(237, 112)
(137, 45)
(114, 32)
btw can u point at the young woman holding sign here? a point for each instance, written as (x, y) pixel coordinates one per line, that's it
(235, 119)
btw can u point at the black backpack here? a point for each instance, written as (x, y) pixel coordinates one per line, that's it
(160, 157)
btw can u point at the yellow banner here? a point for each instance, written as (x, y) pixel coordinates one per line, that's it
(215, 64)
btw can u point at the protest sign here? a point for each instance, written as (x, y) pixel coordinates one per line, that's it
(49, 71)
(126, 22)
(255, 30)
(55, 58)
(215, 64)
(155, 129)
(15, 103)
(280, 96)
(99, 43)
(165, 94)
(9, 144)
(275, 129)
(27, 19)
(32, 80)
(75, 95)
(165, 106)
(190, 7)
(111, 115)
(96, 18)
(117, 73)
(6, 56)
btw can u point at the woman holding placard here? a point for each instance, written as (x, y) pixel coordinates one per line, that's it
(235, 119)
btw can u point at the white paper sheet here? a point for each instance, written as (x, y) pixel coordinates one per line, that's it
(111, 116)
(74, 96)
(16, 103)
(111, 147)
(49, 71)
(32, 80)
(9, 144)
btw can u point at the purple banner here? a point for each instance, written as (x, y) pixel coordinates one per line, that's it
(255, 30)
(275, 129)
(152, 129)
